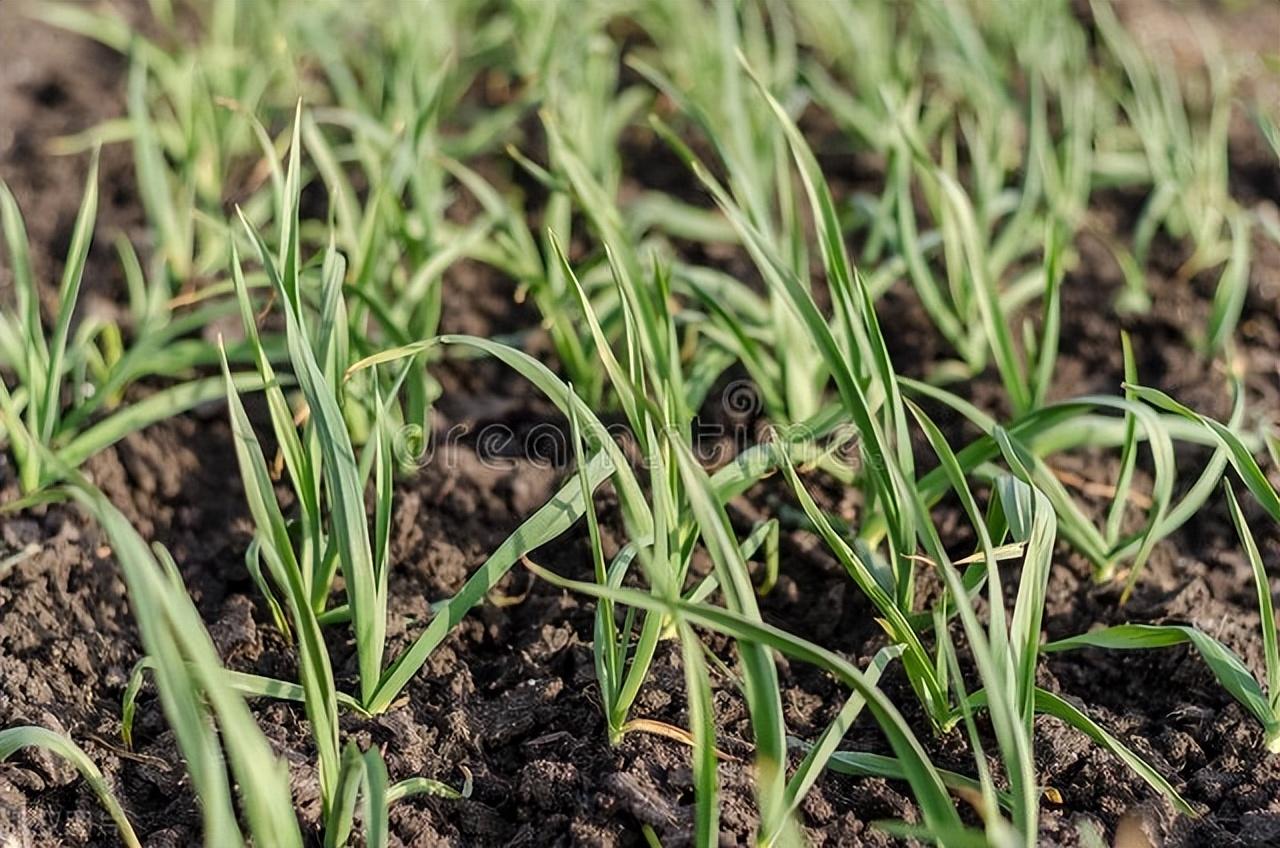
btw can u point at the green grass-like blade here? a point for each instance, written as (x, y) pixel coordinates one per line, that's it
(920, 668)
(1129, 453)
(985, 293)
(249, 685)
(881, 463)
(918, 770)
(129, 701)
(363, 778)
(154, 175)
(1227, 667)
(1266, 610)
(306, 483)
(862, 764)
(26, 295)
(192, 686)
(1028, 610)
(14, 739)
(855, 307)
(1011, 442)
(1241, 459)
(27, 452)
(550, 521)
(1056, 706)
(823, 752)
(604, 645)
(760, 675)
(411, 786)
(559, 393)
(621, 381)
(46, 412)
(1233, 285)
(155, 407)
(343, 483)
(277, 549)
(1051, 323)
(376, 801)
(702, 727)
(1005, 660)
(342, 812)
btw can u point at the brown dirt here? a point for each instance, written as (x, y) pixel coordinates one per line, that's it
(510, 696)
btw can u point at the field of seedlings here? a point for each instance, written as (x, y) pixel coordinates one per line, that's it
(639, 423)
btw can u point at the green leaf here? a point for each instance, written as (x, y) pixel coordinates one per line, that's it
(862, 764)
(298, 461)
(193, 690)
(916, 660)
(550, 521)
(760, 675)
(47, 412)
(1266, 611)
(823, 752)
(1051, 321)
(155, 407)
(343, 484)
(1233, 285)
(24, 286)
(557, 392)
(1005, 658)
(1244, 463)
(277, 549)
(1227, 667)
(363, 777)
(14, 739)
(1054, 705)
(702, 727)
(919, 771)
(987, 296)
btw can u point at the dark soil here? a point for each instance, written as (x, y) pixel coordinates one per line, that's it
(510, 696)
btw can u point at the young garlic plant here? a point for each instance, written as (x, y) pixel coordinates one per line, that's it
(331, 533)
(1261, 697)
(66, 401)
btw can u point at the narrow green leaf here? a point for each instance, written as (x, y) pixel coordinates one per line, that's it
(1227, 667)
(1054, 705)
(1266, 611)
(47, 411)
(823, 751)
(1246, 466)
(277, 549)
(550, 521)
(930, 792)
(14, 739)
(702, 727)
